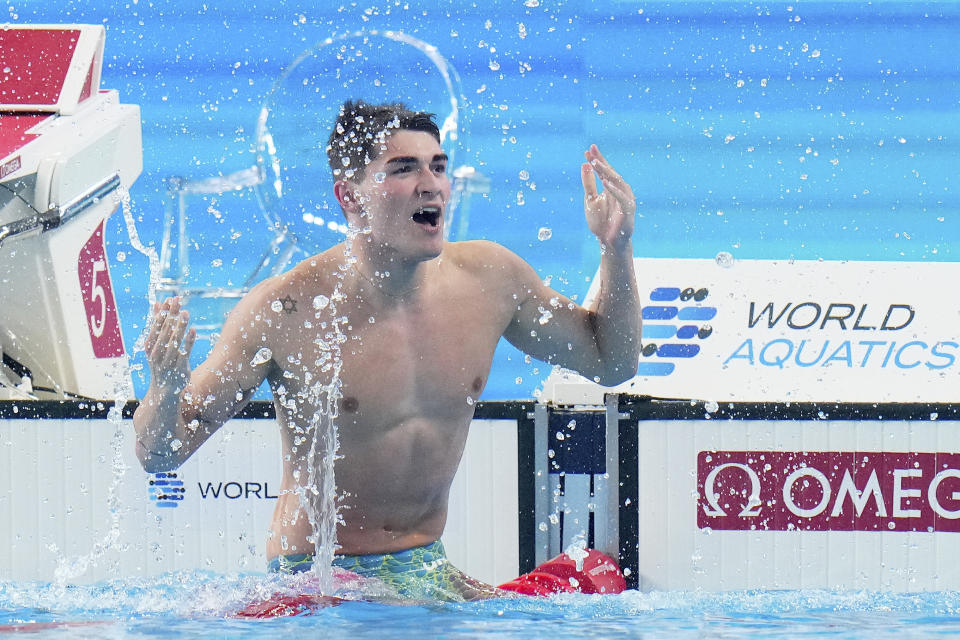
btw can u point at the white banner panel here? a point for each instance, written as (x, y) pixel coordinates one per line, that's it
(778, 504)
(791, 331)
(72, 502)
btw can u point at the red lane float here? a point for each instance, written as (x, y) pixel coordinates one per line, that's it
(280, 606)
(598, 573)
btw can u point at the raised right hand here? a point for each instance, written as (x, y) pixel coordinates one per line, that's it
(169, 344)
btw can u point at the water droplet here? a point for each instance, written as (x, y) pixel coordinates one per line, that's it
(175, 445)
(371, 319)
(560, 436)
(345, 161)
(542, 526)
(533, 4)
(121, 256)
(470, 400)
(263, 355)
(519, 380)
(216, 262)
(724, 259)
(524, 174)
(6, 69)
(545, 317)
(379, 177)
(545, 233)
(320, 302)
(711, 406)
(494, 65)
(277, 306)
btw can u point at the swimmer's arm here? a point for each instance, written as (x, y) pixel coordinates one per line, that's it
(602, 341)
(181, 410)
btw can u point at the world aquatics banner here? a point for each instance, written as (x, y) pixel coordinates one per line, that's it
(792, 331)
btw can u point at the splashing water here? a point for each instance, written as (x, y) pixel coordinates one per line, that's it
(262, 356)
(724, 259)
(120, 376)
(577, 550)
(153, 261)
(317, 496)
(71, 568)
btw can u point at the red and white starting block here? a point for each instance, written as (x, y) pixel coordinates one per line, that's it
(67, 149)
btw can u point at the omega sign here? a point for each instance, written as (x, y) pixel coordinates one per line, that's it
(828, 491)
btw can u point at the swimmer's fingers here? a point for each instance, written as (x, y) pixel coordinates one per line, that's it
(612, 180)
(167, 325)
(188, 343)
(610, 214)
(161, 324)
(172, 352)
(589, 180)
(623, 194)
(156, 324)
(596, 160)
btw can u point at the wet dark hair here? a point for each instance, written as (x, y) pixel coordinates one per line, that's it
(361, 130)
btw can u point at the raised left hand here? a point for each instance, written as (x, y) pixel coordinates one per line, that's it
(610, 214)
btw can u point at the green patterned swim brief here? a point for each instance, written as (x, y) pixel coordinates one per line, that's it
(422, 573)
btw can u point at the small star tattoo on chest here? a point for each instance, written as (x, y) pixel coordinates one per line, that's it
(289, 304)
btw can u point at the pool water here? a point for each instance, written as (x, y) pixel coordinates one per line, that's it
(201, 604)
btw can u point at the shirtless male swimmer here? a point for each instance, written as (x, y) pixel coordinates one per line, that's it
(439, 309)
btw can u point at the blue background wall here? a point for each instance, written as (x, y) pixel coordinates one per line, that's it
(799, 130)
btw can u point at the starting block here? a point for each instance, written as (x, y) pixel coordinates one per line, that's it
(67, 151)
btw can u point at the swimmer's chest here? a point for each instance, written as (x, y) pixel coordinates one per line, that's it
(403, 362)
(434, 361)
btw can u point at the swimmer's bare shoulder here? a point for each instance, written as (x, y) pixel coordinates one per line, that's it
(272, 304)
(262, 325)
(492, 263)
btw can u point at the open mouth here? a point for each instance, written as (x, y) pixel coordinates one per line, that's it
(428, 216)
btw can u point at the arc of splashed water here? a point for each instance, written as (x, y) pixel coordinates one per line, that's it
(70, 568)
(451, 79)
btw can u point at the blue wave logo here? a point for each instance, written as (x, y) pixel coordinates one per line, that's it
(166, 489)
(672, 330)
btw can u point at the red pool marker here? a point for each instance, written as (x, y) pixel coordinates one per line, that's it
(598, 574)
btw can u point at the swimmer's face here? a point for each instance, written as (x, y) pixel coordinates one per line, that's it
(403, 195)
